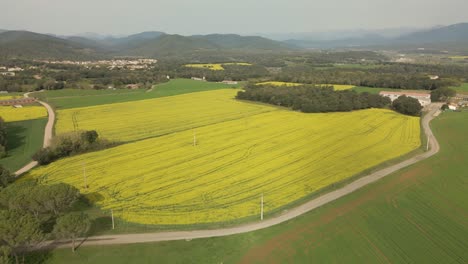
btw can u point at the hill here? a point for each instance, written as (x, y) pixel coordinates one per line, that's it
(452, 33)
(232, 41)
(166, 44)
(169, 45)
(24, 44)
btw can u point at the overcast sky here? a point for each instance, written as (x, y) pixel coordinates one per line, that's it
(225, 16)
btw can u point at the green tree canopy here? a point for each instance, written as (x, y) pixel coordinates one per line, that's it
(72, 226)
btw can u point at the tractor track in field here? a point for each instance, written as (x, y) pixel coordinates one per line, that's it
(433, 148)
(48, 133)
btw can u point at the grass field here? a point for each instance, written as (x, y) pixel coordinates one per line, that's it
(461, 89)
(376, 90)
(24, 139)
(216, 66)
(149, 118)
(74, 98)
(418, 215)
(243, 150)
(11, 114)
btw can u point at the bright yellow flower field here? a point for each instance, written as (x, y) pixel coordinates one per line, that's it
(242, 151)
(216, 66)
(148, 118)
(11, 114)
(338, 87)
(289, 84)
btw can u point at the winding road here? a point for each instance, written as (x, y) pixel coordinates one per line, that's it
(48, 133)
(433, 148)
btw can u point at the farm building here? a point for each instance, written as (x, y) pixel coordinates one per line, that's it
(21, 101)
(423, 98)
(230, 82)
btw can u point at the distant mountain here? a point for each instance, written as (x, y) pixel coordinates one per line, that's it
(232, 41)
(24, 44)
(3, 30)
(453, 33)
(366, 40)
(169, 45)
(176, 44)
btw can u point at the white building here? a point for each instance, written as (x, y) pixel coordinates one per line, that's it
(423, 98)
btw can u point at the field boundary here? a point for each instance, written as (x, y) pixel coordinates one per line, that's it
(286, 216)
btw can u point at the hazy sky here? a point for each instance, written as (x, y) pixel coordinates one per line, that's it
(223, 16)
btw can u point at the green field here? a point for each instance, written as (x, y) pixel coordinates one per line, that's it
(461, 89)
(24, 139)
(73, 98)
(418, 215)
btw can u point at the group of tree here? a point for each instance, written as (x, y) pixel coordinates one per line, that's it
(70, 144)
(313, 99)
(407, 105)
(3, 138)
(31, 212)
(442, 94)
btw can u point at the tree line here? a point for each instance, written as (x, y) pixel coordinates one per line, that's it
(3, 138)
(323, 99)
(313, 99)
(69, 144)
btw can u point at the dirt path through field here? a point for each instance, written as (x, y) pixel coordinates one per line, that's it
(288, 215)
(48, 133)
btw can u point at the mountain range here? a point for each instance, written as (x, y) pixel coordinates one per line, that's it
(24, 44)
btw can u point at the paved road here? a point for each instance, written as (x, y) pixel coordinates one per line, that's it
(48, 133)
(288, 215)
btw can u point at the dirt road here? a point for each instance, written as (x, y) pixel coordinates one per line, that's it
(48, 133)
(290, 214)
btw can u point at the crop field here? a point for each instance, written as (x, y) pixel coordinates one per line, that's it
(461, 89)
(24, 138)
(11, 114)
(248, 150)
(148, 118)
(459, 57)
(338, 87)
(289, 84)
(74, 98)
(417, 215)
(8, 97)
(216, 66)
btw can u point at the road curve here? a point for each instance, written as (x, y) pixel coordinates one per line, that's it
(288, 215)
(48, 133)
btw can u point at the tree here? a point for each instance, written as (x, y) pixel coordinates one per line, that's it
(5, 177)
(3, 138)
(89, 136)
(19, 231)
(72, 226)
(407, 105)
(442, 94)
(57, 198)
(41, 201)
(44, 156)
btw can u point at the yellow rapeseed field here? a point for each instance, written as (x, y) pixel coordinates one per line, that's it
(154, 117)
(340, 87)
(8, 97)
(281, 154)
(337, 87)
(216, 66)
(289, 84)
(11, 114)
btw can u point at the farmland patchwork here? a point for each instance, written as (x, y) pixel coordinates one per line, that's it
(208, 158)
